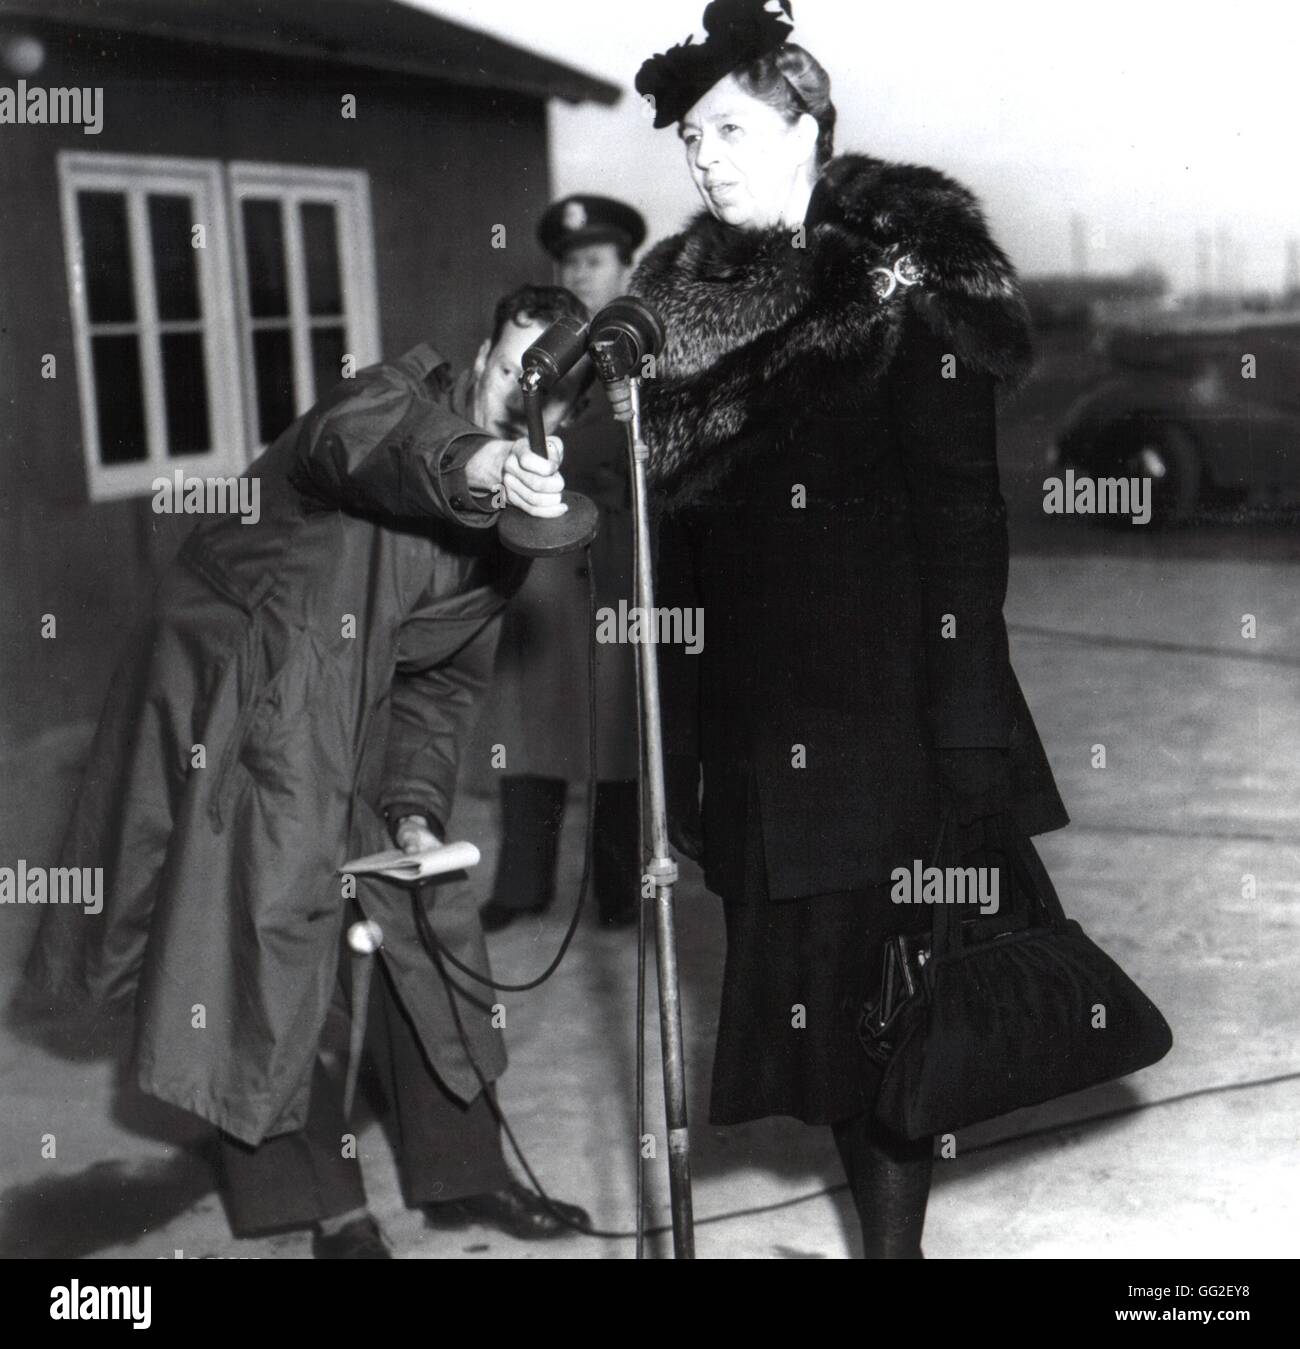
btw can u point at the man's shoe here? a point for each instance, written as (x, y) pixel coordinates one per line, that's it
(361, 1239)
(496, 917)
(514, 1209)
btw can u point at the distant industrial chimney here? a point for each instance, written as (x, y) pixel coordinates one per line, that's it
(1078, 245)
(1226, 278)
(1204, 280)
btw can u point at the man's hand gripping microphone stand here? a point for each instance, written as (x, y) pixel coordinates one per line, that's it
(621, 336)
(545, 363)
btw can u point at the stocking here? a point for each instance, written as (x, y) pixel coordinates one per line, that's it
(890, 1182)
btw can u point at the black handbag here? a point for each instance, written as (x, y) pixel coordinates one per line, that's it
(968, 1025)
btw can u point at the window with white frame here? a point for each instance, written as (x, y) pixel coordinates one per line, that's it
(189, 280)
(153, 318)
(307, 291)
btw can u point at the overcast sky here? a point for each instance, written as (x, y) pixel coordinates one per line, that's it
(1148, 119)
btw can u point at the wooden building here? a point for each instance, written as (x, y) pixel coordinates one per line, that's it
(272, 190)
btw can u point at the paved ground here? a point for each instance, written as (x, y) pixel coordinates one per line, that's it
(1140, 651)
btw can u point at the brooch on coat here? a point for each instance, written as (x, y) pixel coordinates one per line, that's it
(905, 271)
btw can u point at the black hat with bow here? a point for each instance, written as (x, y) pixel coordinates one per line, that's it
(738, 31)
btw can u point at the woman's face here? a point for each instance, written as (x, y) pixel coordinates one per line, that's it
(747, 161)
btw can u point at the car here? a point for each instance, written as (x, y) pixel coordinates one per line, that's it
(1201, 405)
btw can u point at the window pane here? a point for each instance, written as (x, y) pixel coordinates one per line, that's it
(185, 382)
(327, 358)
(106, 250)
(119, 399)
(268, 294)
(175, 274)
(320, 244)
(273, 361)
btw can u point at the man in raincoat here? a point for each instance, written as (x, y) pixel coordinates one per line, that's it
(297, 698)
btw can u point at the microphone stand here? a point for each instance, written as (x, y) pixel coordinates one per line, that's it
(662, 867)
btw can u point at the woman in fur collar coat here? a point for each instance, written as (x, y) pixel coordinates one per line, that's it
(823, 453)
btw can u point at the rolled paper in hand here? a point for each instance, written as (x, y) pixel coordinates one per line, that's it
(403, 866)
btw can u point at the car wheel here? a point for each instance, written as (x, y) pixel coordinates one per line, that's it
(1167, 456)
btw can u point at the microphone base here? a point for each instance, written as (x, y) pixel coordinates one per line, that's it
(531, 537)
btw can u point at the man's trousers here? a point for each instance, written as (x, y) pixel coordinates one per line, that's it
(445, 1150)
(532, 811)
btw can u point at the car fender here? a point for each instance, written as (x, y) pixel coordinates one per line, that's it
(1166, 398)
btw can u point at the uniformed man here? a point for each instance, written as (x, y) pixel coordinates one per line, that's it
(592, 240)
(537, 710)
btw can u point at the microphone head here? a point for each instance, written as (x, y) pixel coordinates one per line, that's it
(557, 351)
(630, 315)
(622, 335)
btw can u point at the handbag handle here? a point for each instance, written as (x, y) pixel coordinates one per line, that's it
(1023, 863)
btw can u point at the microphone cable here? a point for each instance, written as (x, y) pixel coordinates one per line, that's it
(438, 953)
(583, 885)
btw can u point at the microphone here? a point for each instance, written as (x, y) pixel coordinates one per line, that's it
(557, 351)
(619, 339)
(544, 364)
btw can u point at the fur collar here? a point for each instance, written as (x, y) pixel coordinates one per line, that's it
(761, 322)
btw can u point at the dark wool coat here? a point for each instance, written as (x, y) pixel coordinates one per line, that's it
(328, 659)
(823, 443)
(537, 705)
